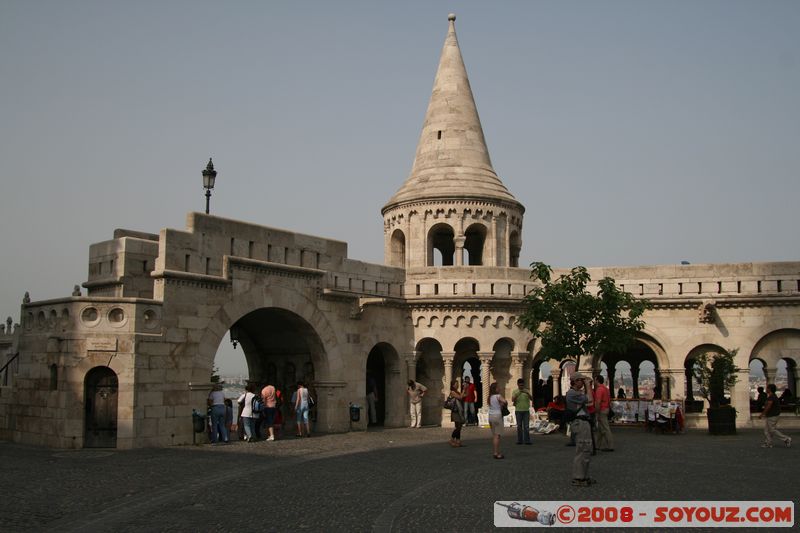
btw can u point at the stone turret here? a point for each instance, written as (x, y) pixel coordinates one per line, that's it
(453, 200)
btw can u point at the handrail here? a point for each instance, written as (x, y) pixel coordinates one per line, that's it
(9, 362)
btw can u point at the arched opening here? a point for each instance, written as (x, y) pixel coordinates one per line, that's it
(694, 398)
(383, 389)
(466, 364)
(269, 346)
(441, 245)
(785, 381)
(475, 238)
(515, 247)
(567, 369)
(647, 376)
(622, 381)
(100, 389)
(542, 379)
(398, 249)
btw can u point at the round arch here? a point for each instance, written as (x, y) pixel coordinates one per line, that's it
(397, 249)
(441, 238)
(384, 386)
(475, 243)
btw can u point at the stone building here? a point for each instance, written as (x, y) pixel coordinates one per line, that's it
(125, 364)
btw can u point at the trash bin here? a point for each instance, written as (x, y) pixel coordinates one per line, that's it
(355, 412)
(198, 422)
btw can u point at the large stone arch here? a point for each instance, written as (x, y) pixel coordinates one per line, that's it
(383, 366)
(273, 297)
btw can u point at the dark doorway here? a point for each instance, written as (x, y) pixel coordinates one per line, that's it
(100, 393)
(474, 366)
(376, 383)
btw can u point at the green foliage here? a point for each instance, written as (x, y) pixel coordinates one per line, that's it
(577, 322)
(716, 373)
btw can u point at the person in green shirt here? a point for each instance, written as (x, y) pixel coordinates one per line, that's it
(521, 398)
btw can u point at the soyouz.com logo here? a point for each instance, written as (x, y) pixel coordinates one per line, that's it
(660, 514)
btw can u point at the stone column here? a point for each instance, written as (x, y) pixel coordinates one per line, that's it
(677, 383)
(635, 378)
(507, 241)
(408, 262)
(556, 374)
(447, 377)
(610, 383)
(460, 250)
(769, 376)
(493, 231)
(740, 398)
(486, 361)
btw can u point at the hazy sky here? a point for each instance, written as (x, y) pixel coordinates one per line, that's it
(633, 132)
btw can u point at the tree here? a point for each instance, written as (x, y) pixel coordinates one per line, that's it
(716, 373)
(577, 322)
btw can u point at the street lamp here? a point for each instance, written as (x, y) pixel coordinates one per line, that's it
(209, 175)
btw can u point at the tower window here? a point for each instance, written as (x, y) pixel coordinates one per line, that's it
(439, 134)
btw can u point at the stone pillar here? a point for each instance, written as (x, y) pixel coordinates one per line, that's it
(635, 378)
(493, 240)
(447, 377)
(507, 241)
(769, 376)
(677, 383)
(486, 378)
(460, 250)
(610, 383)
(740, 398)
(409, 247)
(556, 375)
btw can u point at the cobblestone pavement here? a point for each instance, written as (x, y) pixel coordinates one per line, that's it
(385, 480)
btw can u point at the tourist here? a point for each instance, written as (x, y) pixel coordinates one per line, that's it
(496, 404)
(456, 415)
(521, 399)
(415, 392)
(246, 401)
(772, 410)
(579, 396)
(270, 406)
(300, 404)
(761, 399)
(786, 396)
(469, 397)
(621, 394)
(216, 401)
(229, 415)
(372, 399)
(602, 404)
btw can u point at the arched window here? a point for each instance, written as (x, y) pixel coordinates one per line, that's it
(515, 244)
(398, 249)
(474, 243)
(441, 240)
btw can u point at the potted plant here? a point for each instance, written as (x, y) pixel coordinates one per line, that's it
(717, 373)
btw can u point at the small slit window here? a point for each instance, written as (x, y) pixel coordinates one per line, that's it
(439, 134)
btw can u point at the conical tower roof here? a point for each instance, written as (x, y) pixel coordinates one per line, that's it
(452, 161)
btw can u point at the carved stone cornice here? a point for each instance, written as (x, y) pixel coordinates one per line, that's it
(725, 302)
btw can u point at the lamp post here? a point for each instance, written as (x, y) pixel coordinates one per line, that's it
(209, 176)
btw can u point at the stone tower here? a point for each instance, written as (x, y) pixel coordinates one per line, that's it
(453, 200)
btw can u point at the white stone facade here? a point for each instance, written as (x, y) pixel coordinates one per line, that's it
(158, 307)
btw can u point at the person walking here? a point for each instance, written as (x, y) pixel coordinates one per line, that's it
(469, 396)
(216, 401)
(602, 405)
(496, 404)
(270, 406)
(246, 400)
(579, 396)
(456, 415)
(372, 400)
(301, 410)
(772, 410)
(521, 398)
(415, 392)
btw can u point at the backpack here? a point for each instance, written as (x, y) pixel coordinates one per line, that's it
(257, 405)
